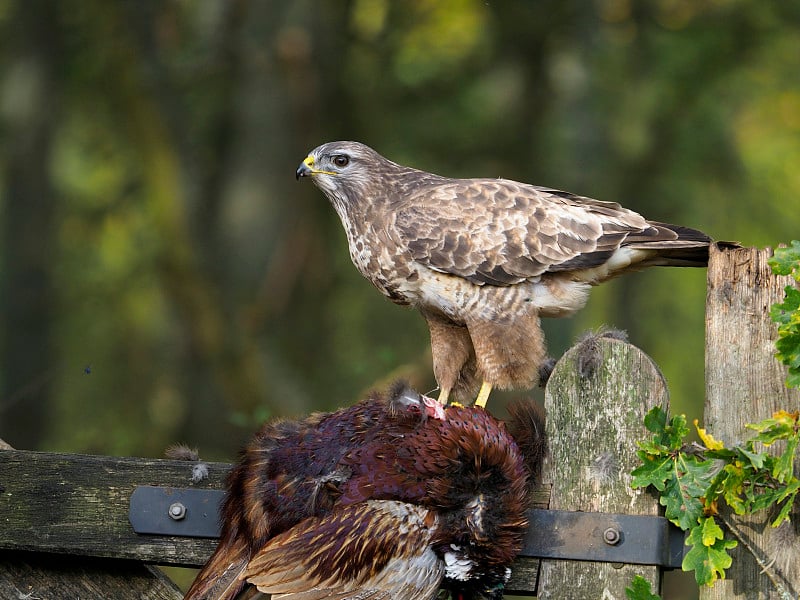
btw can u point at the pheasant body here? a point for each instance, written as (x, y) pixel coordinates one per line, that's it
(390, 498)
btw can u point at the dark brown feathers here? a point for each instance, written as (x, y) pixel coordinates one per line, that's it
(391, 498)
(526, 425)
(381, 549)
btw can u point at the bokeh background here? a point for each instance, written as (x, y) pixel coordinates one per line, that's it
(164, 278)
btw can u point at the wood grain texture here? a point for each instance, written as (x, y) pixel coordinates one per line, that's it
(37, 576)
(78, 504)
(525, 570)
(745, 384)
(596, 400)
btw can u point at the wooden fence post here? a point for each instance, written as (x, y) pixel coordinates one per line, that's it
(65, 532)
(27, 575)
(596, 401)
(745, 384)
(34, 576)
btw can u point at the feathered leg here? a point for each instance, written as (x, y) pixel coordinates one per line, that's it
(453, 357)
(509, 352)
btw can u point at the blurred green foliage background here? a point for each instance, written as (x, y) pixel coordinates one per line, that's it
(164, 278)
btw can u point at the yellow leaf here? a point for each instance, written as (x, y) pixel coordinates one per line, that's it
(708, 439)
(709, 508)
(782, 414)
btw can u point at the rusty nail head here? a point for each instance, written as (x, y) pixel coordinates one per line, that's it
(177, 511)
(611, 536)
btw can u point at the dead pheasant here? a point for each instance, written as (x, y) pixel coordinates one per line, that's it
(393, 498)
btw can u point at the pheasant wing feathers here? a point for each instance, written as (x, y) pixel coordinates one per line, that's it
(377, 550)
(220, 577)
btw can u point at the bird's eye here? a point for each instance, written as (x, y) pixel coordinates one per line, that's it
(341, 160)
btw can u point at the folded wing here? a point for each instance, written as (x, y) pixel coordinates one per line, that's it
(376, 550)
(501, 232)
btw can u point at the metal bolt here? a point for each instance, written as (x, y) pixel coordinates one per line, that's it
(177, 511)
(611, 536)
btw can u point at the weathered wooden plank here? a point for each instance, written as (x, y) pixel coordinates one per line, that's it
(78, 504)
(37, 576)
(525, 571)
(596, 400)
(745, 384)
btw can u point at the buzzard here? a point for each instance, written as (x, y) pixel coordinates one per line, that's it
(484, 259)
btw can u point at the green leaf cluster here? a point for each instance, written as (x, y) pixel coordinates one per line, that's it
(694, 479)
(640, 590)
(709, 556)
(786, 261)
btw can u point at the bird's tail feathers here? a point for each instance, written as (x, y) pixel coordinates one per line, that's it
(686, 235)
(674, 246)
(527, 426)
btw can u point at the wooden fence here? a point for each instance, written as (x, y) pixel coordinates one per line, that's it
(64, 518)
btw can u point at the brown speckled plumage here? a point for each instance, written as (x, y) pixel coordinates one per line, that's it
(483, 259)
(390, 498)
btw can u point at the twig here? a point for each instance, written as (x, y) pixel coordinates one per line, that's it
(765, 568)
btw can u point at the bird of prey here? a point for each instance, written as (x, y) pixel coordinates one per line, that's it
(392, 498)
(484, 259)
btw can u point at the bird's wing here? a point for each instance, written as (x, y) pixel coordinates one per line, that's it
(374, 550)
(501, 232)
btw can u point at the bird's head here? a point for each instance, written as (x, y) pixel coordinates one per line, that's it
(339, 158)
(338, 165)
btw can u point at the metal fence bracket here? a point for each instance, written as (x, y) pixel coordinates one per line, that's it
(603, 537)
(556, 534)
(184, 512)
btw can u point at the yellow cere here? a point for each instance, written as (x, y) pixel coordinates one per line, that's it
(309, 162)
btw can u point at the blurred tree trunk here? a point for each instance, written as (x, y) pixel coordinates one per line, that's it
(223, 363)
(643, 173)
(30, 106)
(194, 170)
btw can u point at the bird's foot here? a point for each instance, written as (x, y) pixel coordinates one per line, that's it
(443, 399)
(444, 394)
(483, 394)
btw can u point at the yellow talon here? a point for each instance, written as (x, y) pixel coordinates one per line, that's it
(443, 395)
(483, 395)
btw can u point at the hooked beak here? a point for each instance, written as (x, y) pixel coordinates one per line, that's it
(305, 170)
